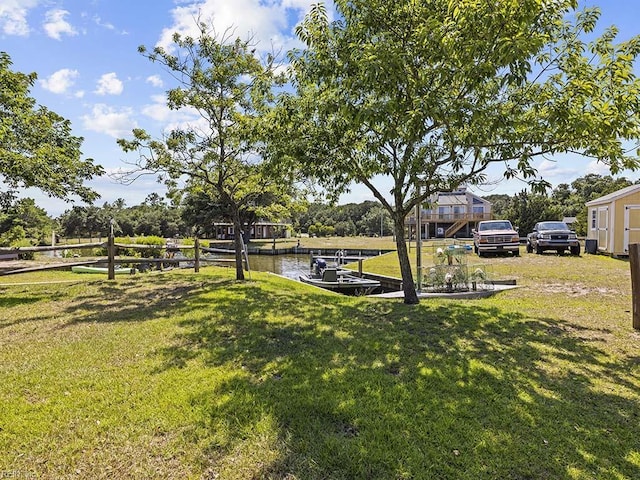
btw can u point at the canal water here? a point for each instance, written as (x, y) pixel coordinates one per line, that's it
(291, 266)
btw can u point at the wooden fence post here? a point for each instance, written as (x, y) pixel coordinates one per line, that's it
(634, 262)
(196, 263)
(111, 254)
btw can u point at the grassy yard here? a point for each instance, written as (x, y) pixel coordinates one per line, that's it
(183, 375)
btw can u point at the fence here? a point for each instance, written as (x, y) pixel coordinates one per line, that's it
(111, 260)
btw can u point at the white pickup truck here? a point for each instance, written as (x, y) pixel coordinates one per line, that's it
(496, 236)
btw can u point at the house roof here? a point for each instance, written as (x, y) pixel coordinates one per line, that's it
(452, 200)
(458, 197)
(614, 196)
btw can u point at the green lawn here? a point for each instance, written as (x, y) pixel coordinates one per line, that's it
(183, 375)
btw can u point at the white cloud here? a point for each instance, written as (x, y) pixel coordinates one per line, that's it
(60, 81)
(98, 21)
(184, 118)
(110, 121)
(109, 84)
(155, 80)
(55, 24)
(263, 22)
(13, 16)
(158, 110)
(600, 168)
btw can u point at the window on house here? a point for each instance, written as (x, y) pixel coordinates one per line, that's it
(593, 219)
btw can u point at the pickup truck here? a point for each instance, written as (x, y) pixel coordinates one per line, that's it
(553, 236)
(496, 236)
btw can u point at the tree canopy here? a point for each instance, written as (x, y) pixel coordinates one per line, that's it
(219, 155)
(432, 93)
(37, 148)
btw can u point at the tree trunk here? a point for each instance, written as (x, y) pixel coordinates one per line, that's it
(238, 243)
(408, 286)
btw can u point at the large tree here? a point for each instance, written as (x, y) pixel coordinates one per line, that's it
(230, 88)
(37, 148)
(430, 93)
(25, 216)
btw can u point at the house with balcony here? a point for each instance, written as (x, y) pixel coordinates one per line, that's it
(450, 214)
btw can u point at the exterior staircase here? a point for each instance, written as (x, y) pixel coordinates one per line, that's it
(451, 231)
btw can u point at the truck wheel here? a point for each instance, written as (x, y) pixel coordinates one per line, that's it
(529, 248)
(539, 250)
(575, 250)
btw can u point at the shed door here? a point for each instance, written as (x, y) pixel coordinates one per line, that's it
(603, 227)
(631, 225)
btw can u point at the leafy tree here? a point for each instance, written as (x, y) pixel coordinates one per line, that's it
(345, 228)
(88, 222)
(500, 204)
(219, 156)
(23, 219)
(315, 213)
(342, 217)
(37, 148)
(72, 222)
(154, 217)
(592, 186)
(431, 93)
(14, 237)
(374, 220)
(527, 209)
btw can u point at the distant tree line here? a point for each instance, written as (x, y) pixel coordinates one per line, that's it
(23, 223)
(154, 217)
(366, 218)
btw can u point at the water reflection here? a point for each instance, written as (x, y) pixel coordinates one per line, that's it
(290, 266)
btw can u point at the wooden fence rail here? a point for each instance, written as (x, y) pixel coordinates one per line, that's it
(111, 260)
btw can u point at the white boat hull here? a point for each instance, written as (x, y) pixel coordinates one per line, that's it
(345, 284)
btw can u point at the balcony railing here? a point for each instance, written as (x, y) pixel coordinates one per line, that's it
(448, 217)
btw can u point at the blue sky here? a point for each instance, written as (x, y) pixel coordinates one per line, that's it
(89, 71)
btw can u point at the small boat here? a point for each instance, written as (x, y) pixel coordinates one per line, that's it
(104, 270)
(340, 281)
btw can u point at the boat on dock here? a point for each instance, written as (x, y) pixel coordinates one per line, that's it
(337, 279)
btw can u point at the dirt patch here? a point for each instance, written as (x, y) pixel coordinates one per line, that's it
(578, 290)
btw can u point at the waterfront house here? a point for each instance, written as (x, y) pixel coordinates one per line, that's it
(450, 214)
